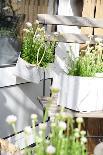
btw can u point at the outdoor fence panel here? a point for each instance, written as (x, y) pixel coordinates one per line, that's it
(99, 15)
(88, 11)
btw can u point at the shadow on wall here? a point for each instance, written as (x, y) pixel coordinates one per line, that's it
(4, 112)
(77, 7)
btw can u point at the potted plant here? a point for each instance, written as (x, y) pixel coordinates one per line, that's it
(37, 53)
(82, 86)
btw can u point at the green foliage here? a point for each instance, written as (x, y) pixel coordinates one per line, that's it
(36, 48)
(89, 62)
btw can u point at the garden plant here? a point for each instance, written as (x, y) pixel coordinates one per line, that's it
(63, 139)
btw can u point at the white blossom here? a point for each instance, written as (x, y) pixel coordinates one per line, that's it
(87, 42)
(83, 140)
(28, 130)
(29, 25)
(62, 125)
(37, 22)
(50, 149)
(79, 120)
(26, 30)
(11, 119)
(42, 126)
(76, 130)
(34, 116)
(83, 132)
(76, 134)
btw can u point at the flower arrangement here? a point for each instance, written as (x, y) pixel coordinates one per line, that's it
(37, 49)
(90, 60)
(63, 138)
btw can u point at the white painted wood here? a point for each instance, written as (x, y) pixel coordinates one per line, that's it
(81, 93)
(7, 77)
(62, 59)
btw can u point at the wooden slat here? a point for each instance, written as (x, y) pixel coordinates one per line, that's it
(69, 20)
(73, 38)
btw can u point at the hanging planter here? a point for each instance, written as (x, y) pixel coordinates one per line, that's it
(81, 89)
(37, 54)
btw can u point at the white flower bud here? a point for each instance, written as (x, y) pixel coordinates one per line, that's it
(42, 126)
(83, 140)
(62, 125)
(83, 133)
(26, 30)
(87, 42)
(37, 22)
(76, 130)
(28, 130)
(11, 119)
(50, 149)
(76, 134)
(79, 120)
(34, 116)
(29, 25)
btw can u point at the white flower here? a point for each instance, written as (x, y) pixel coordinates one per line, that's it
(42, 126)
(87, 42)
(79, 120)
(29, 25)
(83, 140)
(76, 130)
(33, 116)
(50, 149)
(76, 134)
(11, 119)
(62, 125)
(37, 36)
(83, 133)
(37, 22)
(28, 130)
(98, 40)
(26, 30)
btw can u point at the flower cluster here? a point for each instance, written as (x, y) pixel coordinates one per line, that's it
(90, 60)
(37, 47)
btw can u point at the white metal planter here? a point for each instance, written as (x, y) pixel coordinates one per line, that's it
(81, 93)
(31, 73)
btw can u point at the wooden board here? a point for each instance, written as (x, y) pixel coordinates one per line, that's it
(73, 38)
(99, 15)
(69, 20)
(88, 11)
